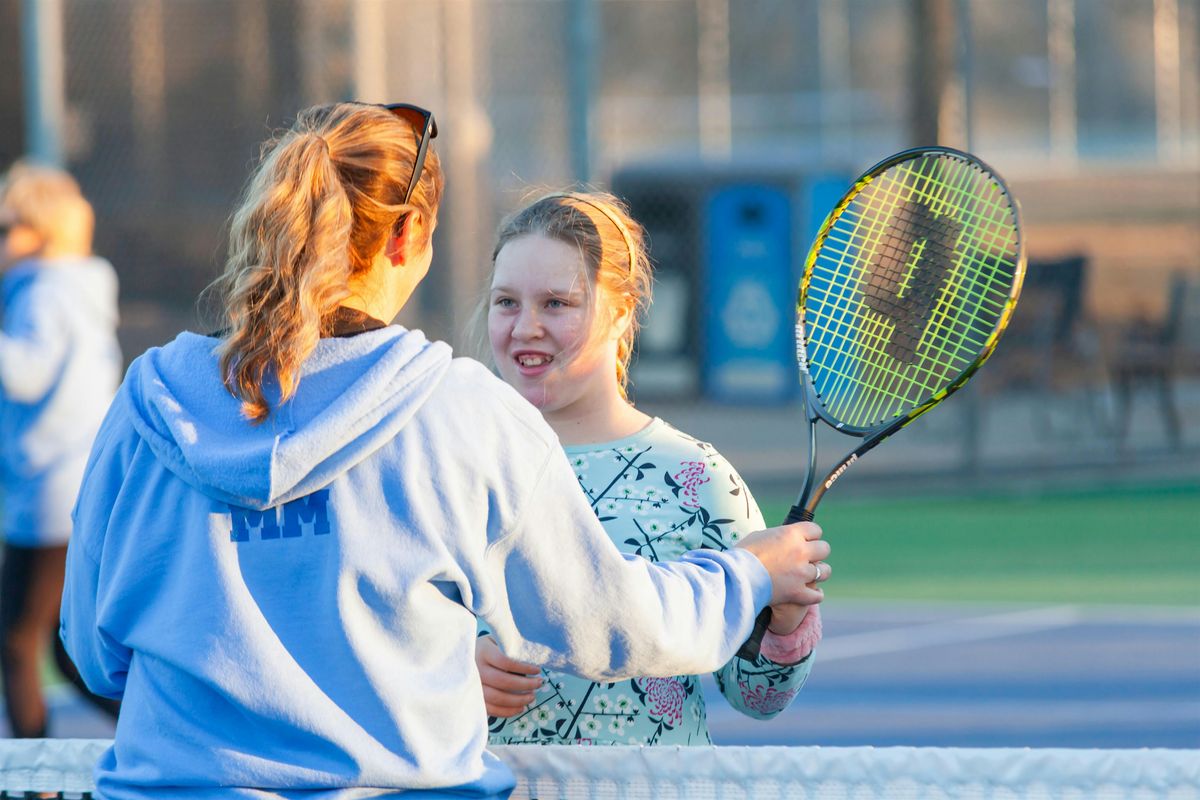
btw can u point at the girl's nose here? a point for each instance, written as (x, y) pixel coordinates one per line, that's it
(526, 325)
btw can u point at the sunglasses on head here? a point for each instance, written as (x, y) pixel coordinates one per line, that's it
(423, 122)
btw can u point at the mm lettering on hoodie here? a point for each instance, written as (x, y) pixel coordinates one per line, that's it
(288, 521)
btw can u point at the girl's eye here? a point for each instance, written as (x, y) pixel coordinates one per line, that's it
(504, 302)
(556, 303)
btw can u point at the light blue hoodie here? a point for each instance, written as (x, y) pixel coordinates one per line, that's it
(59, 367)
(290, 607)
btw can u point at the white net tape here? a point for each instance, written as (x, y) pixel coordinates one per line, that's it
(849, 773)
(49, 765)
(748, 773)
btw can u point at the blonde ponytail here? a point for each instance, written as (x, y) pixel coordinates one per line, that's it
(321, 205)
(287, 269)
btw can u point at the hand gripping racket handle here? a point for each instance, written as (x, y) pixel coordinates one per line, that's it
(753, 645)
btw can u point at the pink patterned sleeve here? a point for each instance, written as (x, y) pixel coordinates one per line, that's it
(797, 645)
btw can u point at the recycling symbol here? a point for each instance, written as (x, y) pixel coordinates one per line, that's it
(749, 318)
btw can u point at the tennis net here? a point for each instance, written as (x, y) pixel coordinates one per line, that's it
(64, 767)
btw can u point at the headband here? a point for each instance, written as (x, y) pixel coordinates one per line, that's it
(613, 218)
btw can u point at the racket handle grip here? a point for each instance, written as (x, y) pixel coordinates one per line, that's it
(798, 514)
(753, 645)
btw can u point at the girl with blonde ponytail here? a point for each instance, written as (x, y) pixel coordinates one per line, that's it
(286, 532)
(570, 277)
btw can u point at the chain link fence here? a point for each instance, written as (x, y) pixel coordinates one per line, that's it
(670, 101)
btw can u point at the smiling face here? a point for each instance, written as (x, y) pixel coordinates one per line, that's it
(551, 334)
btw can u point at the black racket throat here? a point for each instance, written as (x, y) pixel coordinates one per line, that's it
(805, 507)
(811, 496)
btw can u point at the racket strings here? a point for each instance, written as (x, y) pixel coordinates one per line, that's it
(908, 287)
(897, 288)
(888, 383)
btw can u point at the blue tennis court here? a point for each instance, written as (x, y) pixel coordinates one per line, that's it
(1036, 676)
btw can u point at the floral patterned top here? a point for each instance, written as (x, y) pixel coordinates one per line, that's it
(659, 494)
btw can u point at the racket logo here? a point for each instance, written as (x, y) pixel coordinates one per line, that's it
(801, 349)
(837, 473)
(909, 272)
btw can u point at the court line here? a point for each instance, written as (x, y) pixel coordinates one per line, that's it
(943, 632)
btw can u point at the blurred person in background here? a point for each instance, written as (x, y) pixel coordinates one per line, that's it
(570, 275)
(287, 531)
(59, 368)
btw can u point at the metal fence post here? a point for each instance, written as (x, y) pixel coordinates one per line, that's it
(42, 57)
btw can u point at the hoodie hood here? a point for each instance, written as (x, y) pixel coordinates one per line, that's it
(354, 395)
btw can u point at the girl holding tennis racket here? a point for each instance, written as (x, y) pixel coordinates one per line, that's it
(286, 532)
(570, 275)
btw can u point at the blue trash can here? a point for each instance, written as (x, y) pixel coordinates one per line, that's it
(749, 353)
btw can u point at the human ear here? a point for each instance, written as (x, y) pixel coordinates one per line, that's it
(621, 314)
(406, 239)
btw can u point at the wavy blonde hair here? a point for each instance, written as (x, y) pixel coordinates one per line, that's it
(613, 246)
(325, 198)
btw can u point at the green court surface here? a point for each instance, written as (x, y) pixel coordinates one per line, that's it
(1124, 546)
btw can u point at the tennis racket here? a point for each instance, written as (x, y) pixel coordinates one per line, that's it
(906, 290)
